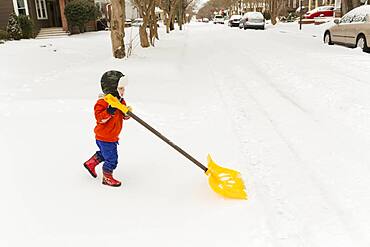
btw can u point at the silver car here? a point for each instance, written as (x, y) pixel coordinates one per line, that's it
(234, 20)
(252, 20)
(219, 19)
(353, 29)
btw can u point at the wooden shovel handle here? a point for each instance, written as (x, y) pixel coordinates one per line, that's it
(177, 148)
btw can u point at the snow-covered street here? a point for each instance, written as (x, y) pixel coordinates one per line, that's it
(289, 112)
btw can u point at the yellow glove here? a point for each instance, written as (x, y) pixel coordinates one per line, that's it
(112, 101)
(129, 108)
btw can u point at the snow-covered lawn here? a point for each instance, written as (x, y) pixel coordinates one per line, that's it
(288, 112)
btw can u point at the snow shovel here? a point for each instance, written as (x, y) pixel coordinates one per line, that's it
(223, 181)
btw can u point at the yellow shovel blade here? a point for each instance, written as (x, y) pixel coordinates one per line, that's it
(225, 182)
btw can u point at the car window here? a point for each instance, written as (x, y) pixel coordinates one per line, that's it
(327, 8)
(359, 18)
(346, 19)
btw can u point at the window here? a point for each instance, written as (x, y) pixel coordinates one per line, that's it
(359, 18)
(41, 9)
(346, 19)
(20, 7)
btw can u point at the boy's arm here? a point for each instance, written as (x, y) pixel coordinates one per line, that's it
(101, 113)
(125, 116)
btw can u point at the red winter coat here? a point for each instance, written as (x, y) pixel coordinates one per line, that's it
(108, 127)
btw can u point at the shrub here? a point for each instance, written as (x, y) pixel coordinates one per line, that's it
(292, 16)
(3, 35)
(13, 28)
(79, 12)
(267, 15)
(27, 27)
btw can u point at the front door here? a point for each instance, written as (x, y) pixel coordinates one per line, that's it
(341, 31)
(54, 13)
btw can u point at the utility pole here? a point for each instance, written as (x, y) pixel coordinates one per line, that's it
(300, 14)
(180, 14)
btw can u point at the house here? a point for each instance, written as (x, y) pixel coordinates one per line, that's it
(44, 13)
(50, 13)
(105, 6)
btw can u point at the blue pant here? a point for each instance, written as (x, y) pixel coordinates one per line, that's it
(109, 152)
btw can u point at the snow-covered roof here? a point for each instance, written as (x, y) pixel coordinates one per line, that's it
(158, 10)
(364, 10)
(254, 14)
(233, 17)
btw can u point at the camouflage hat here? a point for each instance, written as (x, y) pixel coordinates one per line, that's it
(109, 82)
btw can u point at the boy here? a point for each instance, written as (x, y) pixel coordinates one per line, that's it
(108, 127)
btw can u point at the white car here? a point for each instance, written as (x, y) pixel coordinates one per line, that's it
(252, 20)
(234, 20)
(219, 19)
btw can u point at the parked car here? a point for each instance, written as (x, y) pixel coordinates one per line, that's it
(353, 29)
(128, 23)
(219, 19)
(234, 20)
(137, 22)
(252, 20)
(323, 11)
(206, 20)
(304, 10)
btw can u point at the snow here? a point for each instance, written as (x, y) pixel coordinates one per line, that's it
(362, 10)
(235, 17)
(289, 112)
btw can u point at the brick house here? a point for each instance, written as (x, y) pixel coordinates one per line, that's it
(44, 13)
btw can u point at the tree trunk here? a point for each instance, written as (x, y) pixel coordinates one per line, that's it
(153, 25)
(172, 26)
(117, 28)
(167, 21)
(276, 7)
(179, 18)
(274, 11)
(172, 14)
(144, 41)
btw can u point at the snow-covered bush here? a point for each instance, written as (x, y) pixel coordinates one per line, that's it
(27, 27)
(13, 28)
(3, 35)
(267, 15)
(79, 12)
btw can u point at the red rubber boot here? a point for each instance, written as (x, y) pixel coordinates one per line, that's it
(90, 165)
(109, 180)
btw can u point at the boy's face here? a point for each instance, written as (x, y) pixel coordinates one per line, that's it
(121, 91)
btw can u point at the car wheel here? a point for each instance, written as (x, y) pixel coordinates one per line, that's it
(327, 38)
(361, 42)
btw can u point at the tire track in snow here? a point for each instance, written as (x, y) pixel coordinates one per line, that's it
(347, 219)
(312, 177)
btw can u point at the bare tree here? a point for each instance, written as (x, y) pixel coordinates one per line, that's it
(276, 7)
(169, 8)
(153, 28)
(145, 8)
(117, 28)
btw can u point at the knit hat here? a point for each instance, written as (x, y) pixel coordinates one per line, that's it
(123, 81)
(109, 82)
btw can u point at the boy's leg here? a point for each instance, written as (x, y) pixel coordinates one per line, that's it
(109, 152)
